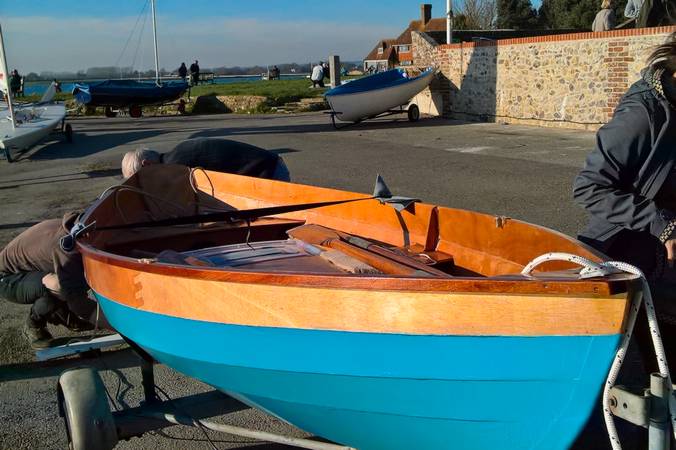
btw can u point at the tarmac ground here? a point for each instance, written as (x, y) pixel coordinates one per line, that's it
(516, 171)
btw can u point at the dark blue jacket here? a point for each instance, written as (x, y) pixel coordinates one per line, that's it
(634, 154)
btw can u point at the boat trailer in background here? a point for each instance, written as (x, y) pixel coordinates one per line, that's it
(411, 110)
(90, 423)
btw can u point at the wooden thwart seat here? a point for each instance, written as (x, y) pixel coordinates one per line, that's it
(383, 259)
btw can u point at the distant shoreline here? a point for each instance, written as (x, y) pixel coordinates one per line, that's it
(169, 77)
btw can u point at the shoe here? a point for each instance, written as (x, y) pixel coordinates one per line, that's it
(74, 323)
(69, 320)
(37, 337)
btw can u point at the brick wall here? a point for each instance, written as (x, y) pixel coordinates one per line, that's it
(571, 80)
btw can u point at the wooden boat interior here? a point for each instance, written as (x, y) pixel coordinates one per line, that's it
(362, 238)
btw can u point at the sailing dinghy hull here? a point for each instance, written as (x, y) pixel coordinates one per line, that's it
(369, 96)
(125, 93)
(483, 358)
(377, 391)
(33, 125)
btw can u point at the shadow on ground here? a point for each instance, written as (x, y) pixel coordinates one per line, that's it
(76, 176)
(109, 360)
(85, 145)
(377, 124)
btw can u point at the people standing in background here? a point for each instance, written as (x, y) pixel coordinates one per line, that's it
(183, 71)
(15, 83)
(655, 13)
(195, 73)
(633, 8)
(605, 19)
(317, 76)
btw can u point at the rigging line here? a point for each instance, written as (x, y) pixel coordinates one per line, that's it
(131, 35)
(138, 44)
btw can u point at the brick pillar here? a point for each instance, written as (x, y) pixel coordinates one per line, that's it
(617, 61)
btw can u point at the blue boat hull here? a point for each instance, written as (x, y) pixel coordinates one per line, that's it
(378, 391)
(125, 93)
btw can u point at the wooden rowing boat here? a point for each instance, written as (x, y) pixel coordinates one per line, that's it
(440, 344)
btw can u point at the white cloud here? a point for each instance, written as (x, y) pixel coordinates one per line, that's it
(44, 43)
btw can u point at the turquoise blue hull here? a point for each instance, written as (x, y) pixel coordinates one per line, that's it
(391, 392)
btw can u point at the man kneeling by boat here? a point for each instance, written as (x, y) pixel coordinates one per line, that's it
(36, 271)
(219, 155)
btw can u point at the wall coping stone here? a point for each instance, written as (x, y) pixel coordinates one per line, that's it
(562, 37)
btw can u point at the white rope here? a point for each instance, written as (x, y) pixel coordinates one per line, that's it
(590, 269)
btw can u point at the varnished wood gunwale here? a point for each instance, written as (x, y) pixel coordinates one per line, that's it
(364, 309)
(507, 285)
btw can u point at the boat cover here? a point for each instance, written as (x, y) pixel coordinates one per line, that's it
(122, 93)
(391, 78)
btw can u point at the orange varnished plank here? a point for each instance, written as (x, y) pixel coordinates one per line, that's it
(360, 310)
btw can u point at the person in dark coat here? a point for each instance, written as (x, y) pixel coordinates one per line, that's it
(219, 155)
(628, 186)
(15, 83)
(655, 13)
(195, 73)
(36, 271)
(183, 71)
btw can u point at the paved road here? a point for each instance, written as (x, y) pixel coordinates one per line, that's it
(522, 172)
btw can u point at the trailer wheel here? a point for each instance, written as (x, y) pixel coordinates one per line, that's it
(68, 131)
(84, 406)
(110, 112)
(135, 111)
(413, 113)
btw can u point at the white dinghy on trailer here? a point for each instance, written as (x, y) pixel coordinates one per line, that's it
(377, 96)
(22, 126)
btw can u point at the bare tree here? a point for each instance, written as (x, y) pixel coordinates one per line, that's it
(479, 14)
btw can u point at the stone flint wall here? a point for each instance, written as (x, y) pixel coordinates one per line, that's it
(572, 80)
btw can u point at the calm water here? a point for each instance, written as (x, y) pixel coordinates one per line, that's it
(39, 87)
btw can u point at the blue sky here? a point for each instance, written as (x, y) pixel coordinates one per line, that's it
(71, 35)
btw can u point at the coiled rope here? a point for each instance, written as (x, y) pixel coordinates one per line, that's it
(593, 269)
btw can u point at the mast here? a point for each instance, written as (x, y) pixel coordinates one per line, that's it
(5, 79)
(157, 59)
(449, 22)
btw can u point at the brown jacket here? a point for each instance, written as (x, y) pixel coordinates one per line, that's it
(37, 250)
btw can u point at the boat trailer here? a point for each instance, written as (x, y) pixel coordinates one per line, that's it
(411, 110)
(90, 423)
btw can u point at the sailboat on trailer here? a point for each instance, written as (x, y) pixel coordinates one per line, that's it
(22, 126)
(130, 93)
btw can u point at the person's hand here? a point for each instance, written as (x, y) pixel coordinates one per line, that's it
(670, 245)
(51, 282)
